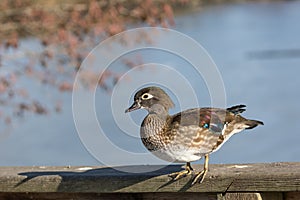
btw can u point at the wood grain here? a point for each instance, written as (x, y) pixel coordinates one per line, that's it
(270, 180)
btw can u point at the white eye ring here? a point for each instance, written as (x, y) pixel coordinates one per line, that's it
(147, 96)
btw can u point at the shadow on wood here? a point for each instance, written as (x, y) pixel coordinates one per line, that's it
(104, 179)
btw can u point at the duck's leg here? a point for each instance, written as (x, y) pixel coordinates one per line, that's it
(177, 175)
(201, 175)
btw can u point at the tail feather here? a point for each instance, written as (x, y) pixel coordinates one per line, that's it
(237, 109)
(252, 123)
(243, 122)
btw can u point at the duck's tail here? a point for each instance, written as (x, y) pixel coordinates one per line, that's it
(249, 123)
(252, 123)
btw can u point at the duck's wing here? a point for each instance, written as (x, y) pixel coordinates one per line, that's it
(199, 128)
(208, 128)
(212, 119)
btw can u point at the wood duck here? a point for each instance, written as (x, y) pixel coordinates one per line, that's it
(188, 135)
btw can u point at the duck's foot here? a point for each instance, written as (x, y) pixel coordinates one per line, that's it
(201, 175)
(177, 175)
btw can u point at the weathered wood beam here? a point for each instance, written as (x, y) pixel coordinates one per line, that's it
(266, 179)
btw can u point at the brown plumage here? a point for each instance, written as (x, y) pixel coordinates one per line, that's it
(189, 135)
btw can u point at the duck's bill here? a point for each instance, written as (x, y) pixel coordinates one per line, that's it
(133, 107)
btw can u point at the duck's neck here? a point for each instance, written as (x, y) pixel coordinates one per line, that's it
(155, 121)
(159, 110)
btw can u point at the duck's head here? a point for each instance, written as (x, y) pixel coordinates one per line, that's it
(153, 99)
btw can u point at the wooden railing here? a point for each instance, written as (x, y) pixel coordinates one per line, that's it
(270, 181)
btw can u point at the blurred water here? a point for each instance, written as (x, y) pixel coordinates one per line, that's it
(232, 34)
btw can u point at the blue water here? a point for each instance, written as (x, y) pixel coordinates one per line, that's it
(233, 35)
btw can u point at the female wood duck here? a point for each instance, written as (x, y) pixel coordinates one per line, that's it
(189, 135)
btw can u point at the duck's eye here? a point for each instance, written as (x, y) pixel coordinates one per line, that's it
(147, 96)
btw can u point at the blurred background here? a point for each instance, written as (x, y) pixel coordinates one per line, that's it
(255, 45)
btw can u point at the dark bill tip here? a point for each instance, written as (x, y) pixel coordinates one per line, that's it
(133, 107)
